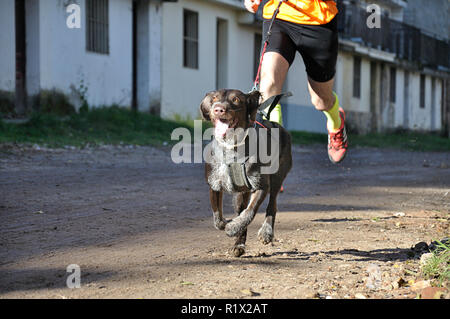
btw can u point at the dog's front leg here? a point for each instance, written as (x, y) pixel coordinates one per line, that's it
(240, 223)
(216, 205)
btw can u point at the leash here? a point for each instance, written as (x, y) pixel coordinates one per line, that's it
(266, 43)
(273, 100)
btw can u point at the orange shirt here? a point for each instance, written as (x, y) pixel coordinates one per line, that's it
(312, 12)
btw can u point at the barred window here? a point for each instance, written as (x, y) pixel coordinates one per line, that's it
(357, 77)
(97, 26)
(190, 39)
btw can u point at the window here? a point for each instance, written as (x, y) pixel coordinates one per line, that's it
(190, 39)
(357, 77)
(422, 91)
(393, 85)
(97, 26)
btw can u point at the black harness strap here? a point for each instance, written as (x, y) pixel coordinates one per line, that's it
(238, 175)
(237, 171)
(271, 103)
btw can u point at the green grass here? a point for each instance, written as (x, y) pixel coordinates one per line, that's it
(114, 125)
(405, 141)
(438, 266)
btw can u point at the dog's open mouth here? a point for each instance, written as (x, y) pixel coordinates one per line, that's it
(222, 125)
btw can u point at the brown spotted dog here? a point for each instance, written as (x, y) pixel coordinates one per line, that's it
(233, 114)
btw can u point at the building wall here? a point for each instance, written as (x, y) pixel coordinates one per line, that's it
(7, 46)
(432, 17)
(59, 60)
(155, 34)
(419, 117)
(183, 88)
(149, 20)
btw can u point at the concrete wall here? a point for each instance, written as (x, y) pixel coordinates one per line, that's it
(7, 46)
(34, 17)
(155, 58)
(149, 34)
(58, 59)
(421, 118)
(184, 88)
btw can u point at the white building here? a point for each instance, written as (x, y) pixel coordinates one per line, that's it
(163, 57)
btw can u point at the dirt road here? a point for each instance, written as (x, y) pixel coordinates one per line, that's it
(140, 226)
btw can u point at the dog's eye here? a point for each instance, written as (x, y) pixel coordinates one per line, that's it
(236, 100)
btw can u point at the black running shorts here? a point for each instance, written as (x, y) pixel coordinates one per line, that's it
(317, 44)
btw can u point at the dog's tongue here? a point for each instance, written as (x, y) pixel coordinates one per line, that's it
(221, 128)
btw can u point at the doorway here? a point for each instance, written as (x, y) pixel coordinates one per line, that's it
(406, 100)
(221, 54)
(21, 58)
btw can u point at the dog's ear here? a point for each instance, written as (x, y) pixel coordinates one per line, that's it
(253, 104)
(205, 106)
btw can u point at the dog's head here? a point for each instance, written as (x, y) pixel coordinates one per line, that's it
(228, 109)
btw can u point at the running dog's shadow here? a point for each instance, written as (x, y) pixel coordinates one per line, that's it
(383, 255)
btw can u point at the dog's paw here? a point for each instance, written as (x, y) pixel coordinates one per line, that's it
(234, 227)
(220, 224)
(238, 250)
(265, 234)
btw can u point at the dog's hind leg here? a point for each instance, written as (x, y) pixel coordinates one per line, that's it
(265, 233)
(240, 202)
(238, 224)
(216, 205)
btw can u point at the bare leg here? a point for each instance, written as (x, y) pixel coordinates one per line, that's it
(322, 96)
(273, 74)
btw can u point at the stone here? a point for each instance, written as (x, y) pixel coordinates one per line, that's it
(433, 293)
(249, 292)
(425, 258)
(420, 285)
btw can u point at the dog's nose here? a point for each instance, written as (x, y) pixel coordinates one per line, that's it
(219, 110)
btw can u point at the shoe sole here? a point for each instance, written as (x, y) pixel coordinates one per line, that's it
(334, 162)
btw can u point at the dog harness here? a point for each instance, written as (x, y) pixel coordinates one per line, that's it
(238, 171)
